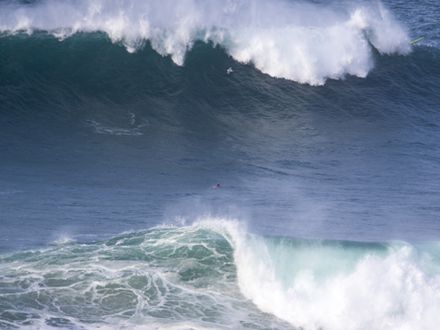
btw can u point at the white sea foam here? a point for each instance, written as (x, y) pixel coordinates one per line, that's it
(184, 278)
(308, 43)
(63, 239)
(108, 130)
(380, 291)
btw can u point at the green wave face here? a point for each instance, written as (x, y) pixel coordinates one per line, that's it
(214, 274)
(165, 276)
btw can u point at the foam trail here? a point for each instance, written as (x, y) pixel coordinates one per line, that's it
(308, 43)
(379, 291)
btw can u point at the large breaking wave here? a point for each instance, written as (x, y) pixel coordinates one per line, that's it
(143, 113)
(213, 274)
(307, 43)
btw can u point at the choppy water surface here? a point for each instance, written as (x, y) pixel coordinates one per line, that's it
(319, 121)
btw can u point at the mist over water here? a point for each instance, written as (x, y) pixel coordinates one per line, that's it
(218, 165)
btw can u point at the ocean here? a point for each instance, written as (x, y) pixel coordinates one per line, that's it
(236, 164)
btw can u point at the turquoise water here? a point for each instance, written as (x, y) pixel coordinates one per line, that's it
(318, 121)
(214, 274)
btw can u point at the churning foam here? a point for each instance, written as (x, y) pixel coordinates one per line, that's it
(388, 291)
(308, 43)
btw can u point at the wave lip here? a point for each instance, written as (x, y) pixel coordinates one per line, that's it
(307, 43)
(215, 274)
(336, 286)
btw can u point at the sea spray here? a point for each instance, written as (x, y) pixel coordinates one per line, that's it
(215, 273)
(368, 286)
(307, 43)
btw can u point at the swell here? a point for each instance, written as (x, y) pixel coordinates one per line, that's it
(87, 85)
(206, 274)
(39, 72)
(305, 42)
(85, 108)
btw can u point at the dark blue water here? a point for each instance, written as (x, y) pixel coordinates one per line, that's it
(95, 140)
(86, 143)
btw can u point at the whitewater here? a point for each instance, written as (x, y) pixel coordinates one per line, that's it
(238, 164)
(307, 43)
(213, 273)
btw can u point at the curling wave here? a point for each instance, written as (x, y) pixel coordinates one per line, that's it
(214, 274)
(307, 43)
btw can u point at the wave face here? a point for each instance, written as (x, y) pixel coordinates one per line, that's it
(85, 123)
(213, 274)
(134, 116)
(304, 42)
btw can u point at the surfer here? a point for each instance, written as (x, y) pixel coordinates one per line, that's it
(413, 42)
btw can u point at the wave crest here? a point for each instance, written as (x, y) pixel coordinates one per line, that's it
(307, 43)
(176, 276)
(334, 286)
